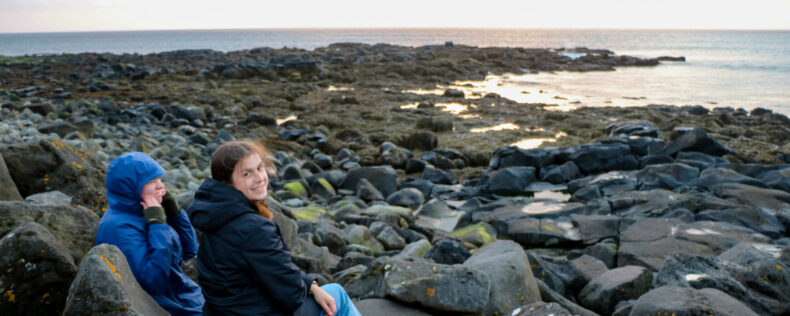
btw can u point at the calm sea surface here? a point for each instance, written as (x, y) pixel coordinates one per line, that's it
(724, 68)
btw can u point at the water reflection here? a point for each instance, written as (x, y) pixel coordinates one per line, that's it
(410, 106)
(500, 127)
(283, 120)
(333, 88)
(454, 108)
(532, 143)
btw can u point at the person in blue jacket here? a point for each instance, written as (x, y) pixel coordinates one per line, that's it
(146, 224)
(244, 266)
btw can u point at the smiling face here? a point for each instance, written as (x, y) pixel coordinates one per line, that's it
(250, 177)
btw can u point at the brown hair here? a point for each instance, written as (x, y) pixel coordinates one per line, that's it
(228, 155)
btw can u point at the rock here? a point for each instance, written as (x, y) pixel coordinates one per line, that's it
(331, 237)
(416, 249)
(533, 232)
(597, 157)
(712, 178)
(421, 141)
(477, 234)
(541, 309)
(438, 160)
(594, 228)
(665, 176)
(383, 178)
(438, 176)
(323, 189)
(58, 166)
(375, 210)
(415, 165)
(589, 268)
(360, 235)
(49, 198)
(700, 160)
(105, 285)
(632, 128)
(508, 270)
(407, 197)
(37, 271)
(41, 108)
(9, 191)
(394, 157)
(448, 252)
(754, 196)
(606, 251)
(516, 157)
(435, 208)
(453, 93)
(767, 278)
(74, 227)
(435, 287)
(296, 188)
(702, 272)
(262, 120)
(435, 124)
(757, 219)
(560, 174)
(352, 259)
(776, 179)
(367, 191)
(385, 307)
(60, 127)
(688, 301)
(307, 213)
(695, 140)
(317, 260)
(559, 274)
(509, 181)
(548, 295)
(604, 292)
(387, 236)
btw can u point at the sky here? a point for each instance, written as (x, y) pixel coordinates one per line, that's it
(20, 16)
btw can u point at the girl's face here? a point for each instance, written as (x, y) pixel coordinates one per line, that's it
(153, 190)
(250, 177)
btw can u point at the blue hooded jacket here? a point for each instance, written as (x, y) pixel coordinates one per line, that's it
(155, 251)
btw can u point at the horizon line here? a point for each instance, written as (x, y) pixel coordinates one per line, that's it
(404, 28)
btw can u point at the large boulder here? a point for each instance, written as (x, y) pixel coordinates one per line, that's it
(695, 140)
(105, 285)
(59, 166)
(674, 300)
(74, 227)
(8, 190)
(632, 128)
(508, 181)
(435, 287)
(767, 278)
(507, 267)
(770, 199)
(385, 307)
(604, 292)
(383, 178)
(37, 271)
(666, 176)
(534, 232)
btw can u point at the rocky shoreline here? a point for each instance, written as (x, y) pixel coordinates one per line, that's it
(414, 199)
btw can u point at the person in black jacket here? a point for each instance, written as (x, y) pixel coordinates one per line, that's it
(244, 266)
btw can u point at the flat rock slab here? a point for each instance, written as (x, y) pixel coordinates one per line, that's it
(105, 285)
(385, 307)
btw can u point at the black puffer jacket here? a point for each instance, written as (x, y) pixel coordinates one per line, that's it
(244, 265)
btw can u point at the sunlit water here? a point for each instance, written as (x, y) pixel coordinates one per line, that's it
(724, 68)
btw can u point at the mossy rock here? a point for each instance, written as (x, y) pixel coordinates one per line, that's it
(296, 187)
(477, 234)
(307, 213)
(360, 235)
(381, 209)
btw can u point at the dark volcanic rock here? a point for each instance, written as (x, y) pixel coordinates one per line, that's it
(695, 140)
(448, 252)
(8, 190)
(632, 128)
(74, 227)
(37, 271)
(512, 282)
(541, 309)
(383, 178)
(688, 301)
(408, 197)
(560, 174)
(385, 307)
(105, 285)
(604, 292)
(58, 166)
(508, 181)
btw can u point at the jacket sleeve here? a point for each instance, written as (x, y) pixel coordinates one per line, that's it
(150, 253)
(186, 235)
(272, 268)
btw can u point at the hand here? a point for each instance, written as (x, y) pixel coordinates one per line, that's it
(170, 205)
(154, 215)
(326, 301)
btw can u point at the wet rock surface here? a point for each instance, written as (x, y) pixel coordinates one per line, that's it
(389, 188)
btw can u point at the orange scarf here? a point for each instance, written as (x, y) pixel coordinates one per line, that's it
(263, 210)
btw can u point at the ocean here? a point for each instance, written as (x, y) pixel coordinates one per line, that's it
(739, 69)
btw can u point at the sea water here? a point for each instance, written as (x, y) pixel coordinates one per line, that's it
(739, 69)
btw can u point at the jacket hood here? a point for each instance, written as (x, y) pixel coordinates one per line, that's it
(126, 177)
(215, 204)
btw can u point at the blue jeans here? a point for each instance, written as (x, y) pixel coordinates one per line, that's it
(343, 303)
